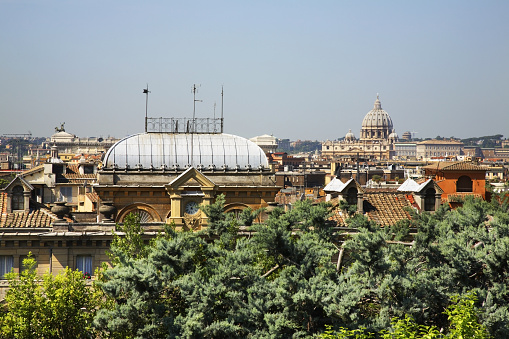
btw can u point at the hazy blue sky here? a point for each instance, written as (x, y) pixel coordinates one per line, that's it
(294, 69)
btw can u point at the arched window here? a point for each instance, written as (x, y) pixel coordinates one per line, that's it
(143, 216)
(464, 184)
(429, 199)
(236, 212)
(18, 200)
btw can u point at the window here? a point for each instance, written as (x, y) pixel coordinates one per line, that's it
(464, 184)
(6, 264)
(58, 169)
(66, 194)
(84, 264)
(88, 169)
(429, 199)
(18, 200)
(351, 196)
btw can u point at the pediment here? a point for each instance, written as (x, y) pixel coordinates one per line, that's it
(191, 178)
(336, 185)
(19, 181)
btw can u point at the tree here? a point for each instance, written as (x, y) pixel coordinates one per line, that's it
(215, 284)
(131, 243)
(280, 282)
(60, 306)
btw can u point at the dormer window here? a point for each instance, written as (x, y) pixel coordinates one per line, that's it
(88, 169)
(351, 196)
(18, 200)
(58, 169)
(429, 199)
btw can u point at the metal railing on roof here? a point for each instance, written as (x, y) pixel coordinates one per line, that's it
(184, 125)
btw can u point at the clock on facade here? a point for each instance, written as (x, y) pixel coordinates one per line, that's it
(192, 207)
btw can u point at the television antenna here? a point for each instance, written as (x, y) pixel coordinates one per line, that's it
(146, 92)
(195, 90)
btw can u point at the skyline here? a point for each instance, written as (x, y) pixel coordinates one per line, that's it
(295, 70)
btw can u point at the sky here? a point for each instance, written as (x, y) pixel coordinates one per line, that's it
(308, 70)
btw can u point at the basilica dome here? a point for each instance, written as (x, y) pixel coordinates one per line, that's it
(183, 150)
(377, 124)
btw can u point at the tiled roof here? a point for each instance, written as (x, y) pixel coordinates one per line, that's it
(455, 166)
(380, 190)
(72, 175)
(31, 219)
(338, 216)
(384, 208)
(93, 197)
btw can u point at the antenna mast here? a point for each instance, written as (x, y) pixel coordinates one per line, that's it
(222, 95)
(146, 91)
(193, 127)
(195, 89)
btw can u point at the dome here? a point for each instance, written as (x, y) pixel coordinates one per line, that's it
(182, 150)
(349, 136)
(393, 136)
(377, 124)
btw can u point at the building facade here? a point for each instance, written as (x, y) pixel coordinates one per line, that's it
(434, 149)
(164, 177)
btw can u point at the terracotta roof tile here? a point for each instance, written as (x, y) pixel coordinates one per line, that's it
(93, 197)
(37, 217)
(455, 166)
(32, 219)
(384, 208)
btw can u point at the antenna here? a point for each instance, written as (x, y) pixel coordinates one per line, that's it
(195, 90)
(222, 96)
(146, 91)
(193, 128)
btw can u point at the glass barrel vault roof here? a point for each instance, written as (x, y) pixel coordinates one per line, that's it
(182, 150)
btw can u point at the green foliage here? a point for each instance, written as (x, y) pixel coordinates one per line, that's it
(60, 306)
(347, 208)
(484, 142)
(131, 243)
(464, 320)
(280, 282)
(407, 328)
(270, 285)
(248, 216)
(344, 333)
